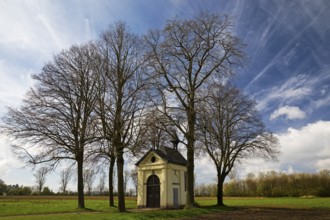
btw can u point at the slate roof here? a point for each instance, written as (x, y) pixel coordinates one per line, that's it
(170, 155)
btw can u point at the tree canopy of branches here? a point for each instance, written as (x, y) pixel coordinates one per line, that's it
(55, 121)
(157, 129)
(185, 55)
(121, 102)
(232, 130)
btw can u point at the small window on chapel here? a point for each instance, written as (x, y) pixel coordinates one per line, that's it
(153, 159)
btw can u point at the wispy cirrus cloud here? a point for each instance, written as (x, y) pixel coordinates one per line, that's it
(39, 28)
(311, 89)
(31, 32)
(14, 83)
(295, 88)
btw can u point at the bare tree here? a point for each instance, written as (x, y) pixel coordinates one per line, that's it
(185, 54)
(101, 185)
(126, 179)
(232, 130)
(65, 177)
(40, 176)
(89, 178)
(56, 120)
(3, 187)
(122, 53)
(134, 177)
(104, 153)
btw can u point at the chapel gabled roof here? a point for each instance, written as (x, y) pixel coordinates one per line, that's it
(170, 155)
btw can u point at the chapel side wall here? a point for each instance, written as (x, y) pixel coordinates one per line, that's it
(183, 189)
(182, 192)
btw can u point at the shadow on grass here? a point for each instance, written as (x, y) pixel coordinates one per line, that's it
(177, 213)
(85, 210)
(220, 208)
(217, 207)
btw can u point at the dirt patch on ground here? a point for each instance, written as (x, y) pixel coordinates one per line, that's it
(269, 214)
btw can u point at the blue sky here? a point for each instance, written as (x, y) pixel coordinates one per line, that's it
(287, 69)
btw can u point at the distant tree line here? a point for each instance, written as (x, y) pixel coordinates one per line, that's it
(206, 190)
(65, 177)
(273, 184)
(20, 190)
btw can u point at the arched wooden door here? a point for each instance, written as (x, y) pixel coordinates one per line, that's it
(153, 192)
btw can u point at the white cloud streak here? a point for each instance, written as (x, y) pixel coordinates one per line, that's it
(290, 112)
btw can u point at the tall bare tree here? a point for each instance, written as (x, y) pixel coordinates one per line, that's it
(40, 176)
(56, 120)
(123, 55)
(89, 178)
(102, 179)
(127, 176)
(65, 177)
(232, 130)
(105, 151)
(185, 54)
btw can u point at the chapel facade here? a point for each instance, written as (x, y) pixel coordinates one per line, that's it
(162, 176)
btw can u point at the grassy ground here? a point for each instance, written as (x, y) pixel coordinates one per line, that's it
(65, 207)
(286, 202)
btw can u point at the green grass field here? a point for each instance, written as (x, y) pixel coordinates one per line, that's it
(36, 207)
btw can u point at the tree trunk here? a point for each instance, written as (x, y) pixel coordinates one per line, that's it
(111, 167)
(190, 198)
(120, 176)
(80, 182)
(221, 179)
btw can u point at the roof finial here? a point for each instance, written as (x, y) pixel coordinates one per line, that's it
(175, 140)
